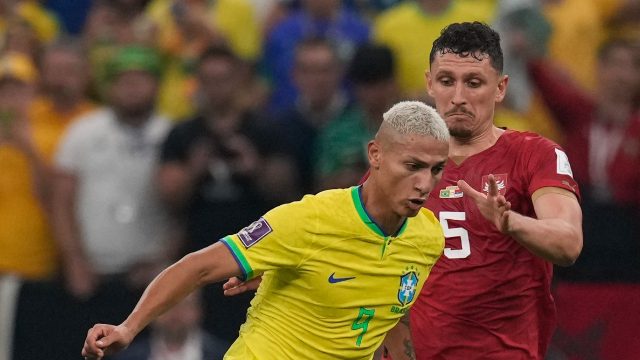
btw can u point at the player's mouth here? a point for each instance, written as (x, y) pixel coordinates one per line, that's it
(416, 203)
(459, 115)
(458, 111)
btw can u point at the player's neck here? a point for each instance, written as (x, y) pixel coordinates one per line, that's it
(379, 210)
(462, 148)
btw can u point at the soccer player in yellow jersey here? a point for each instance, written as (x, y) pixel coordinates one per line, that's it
(339, 268)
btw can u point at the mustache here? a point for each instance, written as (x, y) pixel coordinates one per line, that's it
(458, 110)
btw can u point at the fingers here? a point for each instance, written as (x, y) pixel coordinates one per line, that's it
(504, 222)
(493, 186)
(235, 286)
(231, 283)
(106, 341)
(469, 191)
(236, 290)
(91, 348)
(501, 201)
(90, 355)
(493, 190)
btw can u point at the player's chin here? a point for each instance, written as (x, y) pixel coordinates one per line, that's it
(411, 210)
(459, 131)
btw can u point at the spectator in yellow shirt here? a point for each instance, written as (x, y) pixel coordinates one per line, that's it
(27, 248)
(185, 28)
(410, 27)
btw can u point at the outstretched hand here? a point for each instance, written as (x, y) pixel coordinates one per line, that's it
(235, 286)
(105, 339)
(493, 206)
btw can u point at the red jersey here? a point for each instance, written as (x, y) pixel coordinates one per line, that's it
(488, 297)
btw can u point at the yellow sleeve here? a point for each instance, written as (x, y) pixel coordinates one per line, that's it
(279, 239)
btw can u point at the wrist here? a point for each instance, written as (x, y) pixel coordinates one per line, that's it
(515, 224)
(130, 329)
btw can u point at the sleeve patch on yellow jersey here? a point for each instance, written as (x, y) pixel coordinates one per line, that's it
(254, 232)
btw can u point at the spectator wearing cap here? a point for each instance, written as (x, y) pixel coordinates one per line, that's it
(108, 220)
(27, 248)
(341, 146)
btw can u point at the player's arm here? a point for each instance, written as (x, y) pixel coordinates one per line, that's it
(556, 235)
(398, 341)
(208, 265)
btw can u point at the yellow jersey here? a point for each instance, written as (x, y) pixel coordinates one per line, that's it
(409, 31)
(27, 247)
(333, 282)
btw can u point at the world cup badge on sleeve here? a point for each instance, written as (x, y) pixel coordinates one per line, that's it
(254, 232)
(562, 163)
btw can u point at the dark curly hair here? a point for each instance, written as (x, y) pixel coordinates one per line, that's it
(469, 39)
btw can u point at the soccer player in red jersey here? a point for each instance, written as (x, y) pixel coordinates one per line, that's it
(508, 205)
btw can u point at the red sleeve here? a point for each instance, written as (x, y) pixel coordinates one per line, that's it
(569, 105)
(547, 165)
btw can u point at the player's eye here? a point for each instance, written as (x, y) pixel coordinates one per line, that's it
(474, 83)
(412, 166)
(437, 169)
(446, 81)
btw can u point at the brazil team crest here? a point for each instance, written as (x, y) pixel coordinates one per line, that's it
(408, 285)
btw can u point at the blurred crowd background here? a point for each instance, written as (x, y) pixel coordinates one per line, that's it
(135, 131)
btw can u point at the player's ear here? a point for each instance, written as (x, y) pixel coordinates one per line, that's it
(502, 88)
(374, 153)
(428, 79)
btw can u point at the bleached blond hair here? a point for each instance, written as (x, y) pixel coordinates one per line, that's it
(415, 117)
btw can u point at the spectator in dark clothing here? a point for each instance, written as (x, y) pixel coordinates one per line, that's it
(317, 75)
(212, 174)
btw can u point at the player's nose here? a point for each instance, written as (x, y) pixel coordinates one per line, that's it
(425, 182)
(459, 95)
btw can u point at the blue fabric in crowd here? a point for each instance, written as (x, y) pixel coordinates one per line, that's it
(71, 14)
(346, 32)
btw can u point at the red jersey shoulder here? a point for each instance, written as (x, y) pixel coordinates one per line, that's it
(544, 161)
(528, 141)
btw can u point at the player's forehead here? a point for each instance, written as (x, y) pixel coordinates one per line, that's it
(425, 148)
(450, 63)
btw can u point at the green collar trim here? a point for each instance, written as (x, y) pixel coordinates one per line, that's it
(364, 215)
